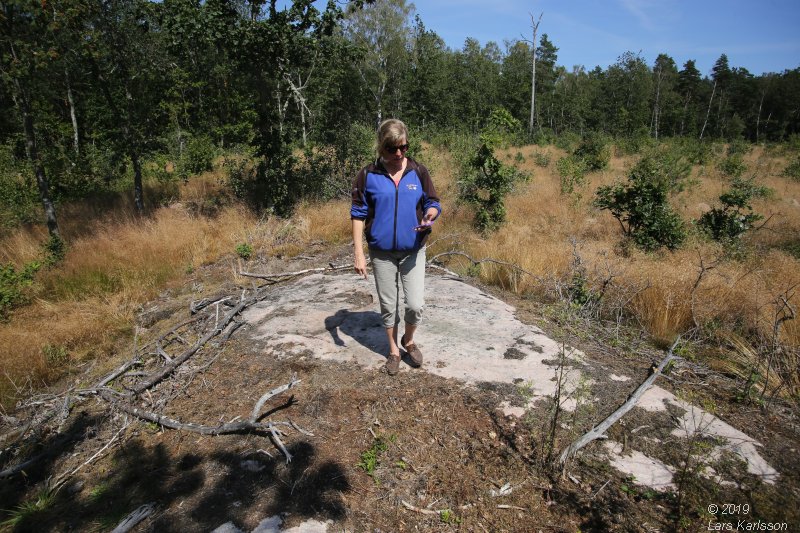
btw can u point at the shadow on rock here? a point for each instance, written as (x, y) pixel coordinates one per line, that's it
(365, 327)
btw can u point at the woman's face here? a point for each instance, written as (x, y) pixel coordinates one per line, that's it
(392, 152)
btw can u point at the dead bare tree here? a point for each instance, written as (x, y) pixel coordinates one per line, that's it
(708, 111)
(535, 27)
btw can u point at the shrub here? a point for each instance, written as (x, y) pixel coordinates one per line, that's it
(244, 250)
(241, 173)
(327, 170)
(729, 222)
(502, 129)
(543, 137)
(633, 144)
(696, 151)
(732, 166)
(13, 284)
(572, 171)
(197, 156)
(739, 147)
(567, 141)
(542, 159)
(793, 170)
(55, 249)
(594, 151)
(19, 199)
(486, 181)
(641, 205)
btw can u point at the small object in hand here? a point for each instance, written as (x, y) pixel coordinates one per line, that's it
(424, 226)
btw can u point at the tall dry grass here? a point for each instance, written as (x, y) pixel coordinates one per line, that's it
(116, 262)
(659, 290)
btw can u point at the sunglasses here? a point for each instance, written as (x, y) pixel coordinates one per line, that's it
(392, 149)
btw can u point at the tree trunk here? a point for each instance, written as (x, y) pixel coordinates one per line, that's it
(685, 110)
(535, 26)
(758, 118)
(72, 115)
(23, 100)
(127, 137)
(138, 192)
(708, 111)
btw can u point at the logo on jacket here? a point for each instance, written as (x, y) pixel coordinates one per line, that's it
(412, 186)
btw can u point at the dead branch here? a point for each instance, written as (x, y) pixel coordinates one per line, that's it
(429, 512)
(118, 372)
(64, 477)
(274, 392)
(597, 431)
(167, 369)
(242, 426)
(476, 262)
(282, 276)
(194, 308)
(133, 519)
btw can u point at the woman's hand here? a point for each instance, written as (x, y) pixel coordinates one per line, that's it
(360, 264)
(427, 221)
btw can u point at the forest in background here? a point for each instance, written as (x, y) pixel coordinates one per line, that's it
(101, 96)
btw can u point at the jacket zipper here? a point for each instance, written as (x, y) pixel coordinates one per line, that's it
(396, 202)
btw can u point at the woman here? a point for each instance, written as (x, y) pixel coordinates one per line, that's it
(395, 202)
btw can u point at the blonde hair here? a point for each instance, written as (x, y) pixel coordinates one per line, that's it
(390, 131)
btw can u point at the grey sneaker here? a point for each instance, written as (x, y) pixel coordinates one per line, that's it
(413, 352)
(392, 364)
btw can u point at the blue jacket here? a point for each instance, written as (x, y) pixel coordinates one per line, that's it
(391, 213)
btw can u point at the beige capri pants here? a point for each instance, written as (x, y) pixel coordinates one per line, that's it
(396, 271)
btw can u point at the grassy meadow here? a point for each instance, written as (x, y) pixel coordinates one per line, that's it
(86, 307)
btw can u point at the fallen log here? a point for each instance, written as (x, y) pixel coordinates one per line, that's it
(599, 430)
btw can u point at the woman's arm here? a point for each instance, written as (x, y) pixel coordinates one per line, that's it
(360, 261)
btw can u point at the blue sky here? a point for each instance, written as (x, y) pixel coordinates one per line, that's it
(761, 36)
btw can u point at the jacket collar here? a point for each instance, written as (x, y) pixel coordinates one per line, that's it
(377, 166)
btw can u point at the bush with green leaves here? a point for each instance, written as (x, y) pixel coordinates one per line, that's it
(595, 151)
(196, 156)
(542, 159)
(502, 129)
(633, 144)
(641, 205)
(486, 181)
(244, 250)
(739, 147)
(19, 198)
(567, 141)
(696, 151)
(12, 285)
(732, 166)
(735, 217)
(572, 171)
(792, 171)
(328, 169)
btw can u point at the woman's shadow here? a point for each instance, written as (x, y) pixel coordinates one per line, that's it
(365, 327)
